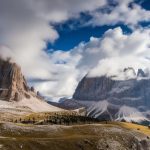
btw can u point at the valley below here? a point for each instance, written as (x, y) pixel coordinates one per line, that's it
(100, 136)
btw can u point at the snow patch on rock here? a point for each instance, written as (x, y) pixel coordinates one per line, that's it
(130, 114)
(99, 107)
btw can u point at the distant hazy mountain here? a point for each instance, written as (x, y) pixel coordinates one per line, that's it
(68, 104)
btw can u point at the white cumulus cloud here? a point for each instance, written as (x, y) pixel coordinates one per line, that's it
(125, 11)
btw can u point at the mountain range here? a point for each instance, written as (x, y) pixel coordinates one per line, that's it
(103, 97)
(110, 98)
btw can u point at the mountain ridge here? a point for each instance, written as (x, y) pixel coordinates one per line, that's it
(113, 99)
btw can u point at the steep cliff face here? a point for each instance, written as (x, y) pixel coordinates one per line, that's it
(132, 92)
(93, 88)
(13, 85)
(127, 99)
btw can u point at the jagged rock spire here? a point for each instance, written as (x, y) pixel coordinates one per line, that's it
(13, 85)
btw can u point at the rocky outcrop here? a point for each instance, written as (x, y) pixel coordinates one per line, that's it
(13, 85)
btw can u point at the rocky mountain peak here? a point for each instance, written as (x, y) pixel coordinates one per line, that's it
(113, 99)
(141, 73)
(13, 85)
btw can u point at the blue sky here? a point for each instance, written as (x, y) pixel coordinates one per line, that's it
(72, 32)
(144, 3)
(69, 38)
